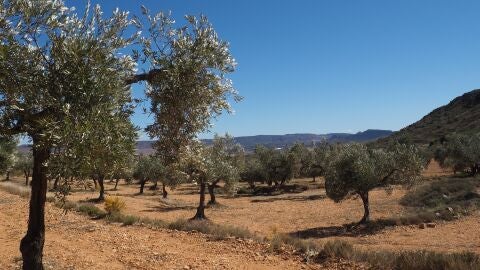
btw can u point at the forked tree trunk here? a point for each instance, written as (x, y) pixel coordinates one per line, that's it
(366, 207)
(32, 243)
(211, 191)
(164, 191)
(101, 197)
(201, 206)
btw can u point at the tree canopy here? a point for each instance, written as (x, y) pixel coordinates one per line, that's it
(355, 169)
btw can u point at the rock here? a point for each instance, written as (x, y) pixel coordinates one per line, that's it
(186, 267)
(431, 225)
(422, 226)
(450, 209)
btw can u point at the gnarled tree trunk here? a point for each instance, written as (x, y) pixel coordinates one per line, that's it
(201, 206)
(101, 197)
(366, 207)
(211, 191)
(32, 243)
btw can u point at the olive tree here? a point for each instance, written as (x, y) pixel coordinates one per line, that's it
(108, 146)
(189, 88)
(356, 170)
(278, 165)
(7, 155)
(224, 160)
(301, 158)
(55, 65)
(460, 152)
(24, 164)
(320, 160)
(252, 171)
(141, 171)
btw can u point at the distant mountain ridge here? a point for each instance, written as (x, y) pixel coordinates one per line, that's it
(461, 115)
(280, 141)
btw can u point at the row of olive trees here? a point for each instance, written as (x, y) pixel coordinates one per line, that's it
(278, 166)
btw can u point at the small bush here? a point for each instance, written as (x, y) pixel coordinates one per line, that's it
(303, 246)
(217, 231)
(126, 220)
(15, 189)
(338, 249)
(114, 205)
(422, 260)
(91, 210)
(444, 199)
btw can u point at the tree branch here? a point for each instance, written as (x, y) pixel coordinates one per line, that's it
(148, 76)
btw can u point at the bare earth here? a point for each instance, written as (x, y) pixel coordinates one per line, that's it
(77, 242)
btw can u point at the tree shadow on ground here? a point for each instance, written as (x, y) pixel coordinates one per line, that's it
(290, 198)
(346, 230)
(271, 190)
(165, 206)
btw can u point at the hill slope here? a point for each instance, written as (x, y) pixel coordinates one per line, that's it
(461, 115)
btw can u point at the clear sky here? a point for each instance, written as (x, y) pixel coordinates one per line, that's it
(319, 66)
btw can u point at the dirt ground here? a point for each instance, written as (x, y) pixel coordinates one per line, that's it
(77, 242)
(308, 214)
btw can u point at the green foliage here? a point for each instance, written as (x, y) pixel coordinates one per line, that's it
(224, 159)
(24, 163)
(90, 210)
(356, 169)
(217, 231)
(190, 86)
(460, 152)
(7, 153)
(278, 166)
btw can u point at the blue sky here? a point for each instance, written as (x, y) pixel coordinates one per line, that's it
(318, 66)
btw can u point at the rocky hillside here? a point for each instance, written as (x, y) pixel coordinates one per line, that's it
(461, 115)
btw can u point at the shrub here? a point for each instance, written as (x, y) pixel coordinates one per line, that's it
(124, 219)
(91, 210)
(338, 249)
(15, 189)
(114, 205)
(422, 260)
(204, 226)
(303, 246)
(447, 197)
